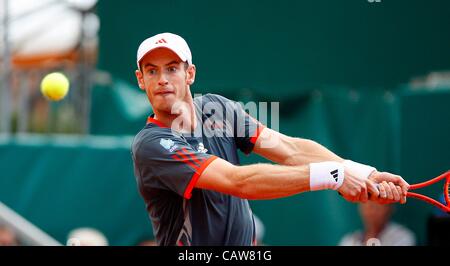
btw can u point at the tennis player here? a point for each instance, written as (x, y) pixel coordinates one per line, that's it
(186, 158)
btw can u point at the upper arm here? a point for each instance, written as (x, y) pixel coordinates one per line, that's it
(219, 176)
(276, 146)
(286, 150)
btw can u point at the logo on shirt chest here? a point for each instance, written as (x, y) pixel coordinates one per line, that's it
(168, 144)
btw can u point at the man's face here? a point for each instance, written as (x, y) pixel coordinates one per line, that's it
(165, 78)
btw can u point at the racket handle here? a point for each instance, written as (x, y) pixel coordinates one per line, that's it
(368, 193)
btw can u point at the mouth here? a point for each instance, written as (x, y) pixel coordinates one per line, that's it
(164, 92)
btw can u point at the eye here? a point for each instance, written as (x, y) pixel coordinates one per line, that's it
(152, 71)
(172, 69)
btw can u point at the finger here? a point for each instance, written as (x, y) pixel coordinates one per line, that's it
(363, 197)
(372, 189)
(398, 180)
(389, 194)
(383, 193)
(350, 193)
(405, 189)
(402, 197)
(354, 195)
(395, 191)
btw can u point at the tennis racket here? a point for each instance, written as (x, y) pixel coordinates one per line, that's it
(446, 177)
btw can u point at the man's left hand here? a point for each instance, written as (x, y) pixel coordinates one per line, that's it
(391, 188)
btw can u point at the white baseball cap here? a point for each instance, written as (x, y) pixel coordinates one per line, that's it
(166, 40)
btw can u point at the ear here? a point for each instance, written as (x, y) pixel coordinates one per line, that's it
(140, 79)
(190, 74)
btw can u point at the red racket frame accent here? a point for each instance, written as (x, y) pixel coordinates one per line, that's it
(443, 207)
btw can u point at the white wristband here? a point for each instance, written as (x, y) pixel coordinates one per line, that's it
(360, 170)
(326, 175)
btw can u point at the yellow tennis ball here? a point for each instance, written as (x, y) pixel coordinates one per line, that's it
(55, 86)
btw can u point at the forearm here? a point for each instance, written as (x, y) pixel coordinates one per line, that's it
(266, 181)
(286, 150)
(305, 151)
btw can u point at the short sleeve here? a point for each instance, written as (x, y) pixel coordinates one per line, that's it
(246, 129)
(166, 161)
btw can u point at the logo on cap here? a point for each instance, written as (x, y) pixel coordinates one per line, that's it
(161, 41)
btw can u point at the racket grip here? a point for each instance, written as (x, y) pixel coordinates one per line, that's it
(378, 188)
(368, 193)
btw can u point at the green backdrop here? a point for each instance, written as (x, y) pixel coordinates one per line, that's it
(61, 183)
(283, 47)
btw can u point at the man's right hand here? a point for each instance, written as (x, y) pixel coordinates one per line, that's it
(354, 188)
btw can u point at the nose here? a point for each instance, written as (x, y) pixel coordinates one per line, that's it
(162, 81)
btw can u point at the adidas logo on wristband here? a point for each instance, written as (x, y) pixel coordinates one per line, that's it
(335, 174)
(320, 173)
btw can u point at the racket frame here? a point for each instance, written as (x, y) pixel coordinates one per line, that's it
(446, 176)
